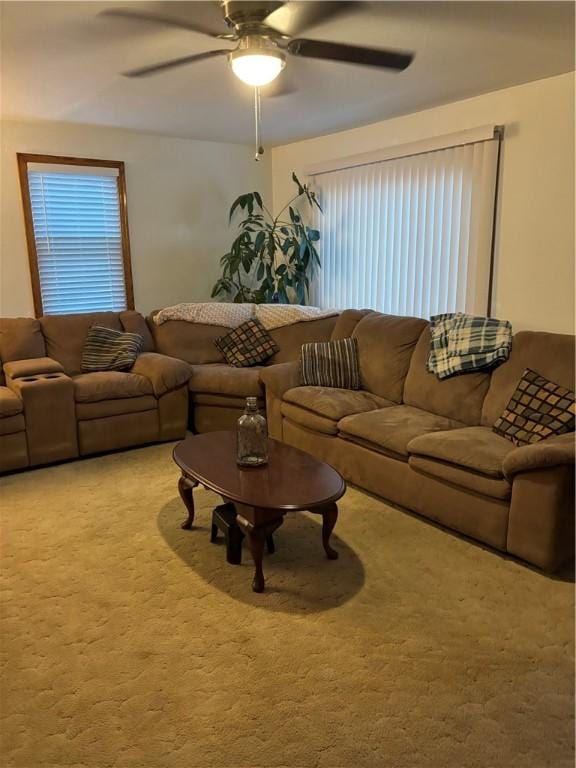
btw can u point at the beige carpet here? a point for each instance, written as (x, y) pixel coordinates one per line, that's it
(129, 642)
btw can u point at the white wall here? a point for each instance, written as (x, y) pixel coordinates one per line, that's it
(178, 190)
(534, 269)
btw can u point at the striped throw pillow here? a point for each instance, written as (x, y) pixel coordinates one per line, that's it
(331, 364)
(108, 350)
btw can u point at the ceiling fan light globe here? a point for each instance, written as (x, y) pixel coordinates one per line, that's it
(257, 68)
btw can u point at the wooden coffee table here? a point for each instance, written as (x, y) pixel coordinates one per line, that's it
(292, 481)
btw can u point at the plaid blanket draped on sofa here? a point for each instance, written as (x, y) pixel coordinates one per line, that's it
(462, 343)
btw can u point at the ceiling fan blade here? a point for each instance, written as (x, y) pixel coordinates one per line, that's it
(126, 13)
(351, 54)
(155, 68)
(296, 17)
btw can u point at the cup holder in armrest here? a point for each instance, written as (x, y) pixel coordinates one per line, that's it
(52, 375)
(29, 378)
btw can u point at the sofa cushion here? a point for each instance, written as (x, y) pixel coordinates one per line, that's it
(475, 448)
(104, 408)
(109, 385)
(11, 425)
(393, 428)
(385, 346)
(134, 322)
(459, 397)
(20, 338)
(10, 403)
(346, 322)
(65, 336)
(550, 354)
(495, 487)
(192, 342)
(222, 379)
(290, 338)
(321, 408)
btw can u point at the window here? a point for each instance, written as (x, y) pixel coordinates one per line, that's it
(77, 234)
(410, 231)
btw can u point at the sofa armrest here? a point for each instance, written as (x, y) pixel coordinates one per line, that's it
(164, 373)
(49, 410)
(281, 377)
(33, 366)
(553, 452)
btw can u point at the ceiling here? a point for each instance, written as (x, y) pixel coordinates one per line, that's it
(61, 61)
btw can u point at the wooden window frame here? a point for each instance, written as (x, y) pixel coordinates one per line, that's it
(24, 159)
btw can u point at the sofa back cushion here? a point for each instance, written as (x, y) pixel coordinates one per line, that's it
(20, 339)
(290, 338)
(65, 336)
(458, 397)
(385, 347)
(346, 322)
(191, 342)
(133, 322)
(549, 354)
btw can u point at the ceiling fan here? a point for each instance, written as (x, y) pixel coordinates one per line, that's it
(264, 33)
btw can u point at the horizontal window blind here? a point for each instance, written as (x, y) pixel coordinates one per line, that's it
(409, 236)
(78, 237)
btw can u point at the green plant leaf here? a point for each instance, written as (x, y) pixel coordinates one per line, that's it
(313, 235)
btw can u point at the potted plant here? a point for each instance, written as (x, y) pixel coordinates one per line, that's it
(273, 257)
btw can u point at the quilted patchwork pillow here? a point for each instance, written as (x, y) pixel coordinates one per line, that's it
(538, 409)
(247, 345)
(330, 364)
(108, 350)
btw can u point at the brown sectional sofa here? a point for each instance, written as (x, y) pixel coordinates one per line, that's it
(218, 391)
(428, 445)
(424, 444)
(51, 411)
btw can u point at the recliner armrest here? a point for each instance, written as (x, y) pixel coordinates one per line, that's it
(164, 373)
(32, 367)
(553, 452)
(281, 377)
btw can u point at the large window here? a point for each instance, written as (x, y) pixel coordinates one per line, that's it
(77, 233)
(410, 231)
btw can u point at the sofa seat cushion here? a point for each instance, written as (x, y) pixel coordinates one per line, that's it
(109, 385)
(104, 408)
(223, 401)
(222, 379)
(321, 408)
(497, 488)
(10, 403)
(11, 425)
(474, 448)
(391, 429)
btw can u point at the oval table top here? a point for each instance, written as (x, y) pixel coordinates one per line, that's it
(291, 481)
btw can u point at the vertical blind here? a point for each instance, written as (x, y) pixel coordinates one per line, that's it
(409, 236)
(78, 236)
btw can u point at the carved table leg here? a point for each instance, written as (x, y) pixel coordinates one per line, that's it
(329, 518)
(185, 489)
(257, 536)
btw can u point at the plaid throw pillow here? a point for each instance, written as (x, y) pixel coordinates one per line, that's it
(108, 350)
(331, 364)
(247, 345)
(538, 409)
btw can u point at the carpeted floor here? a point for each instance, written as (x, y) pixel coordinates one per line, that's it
(129, 642)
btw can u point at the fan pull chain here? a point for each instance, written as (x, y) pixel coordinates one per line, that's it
(258, 124)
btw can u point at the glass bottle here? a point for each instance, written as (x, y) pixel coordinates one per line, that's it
(252, 436)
